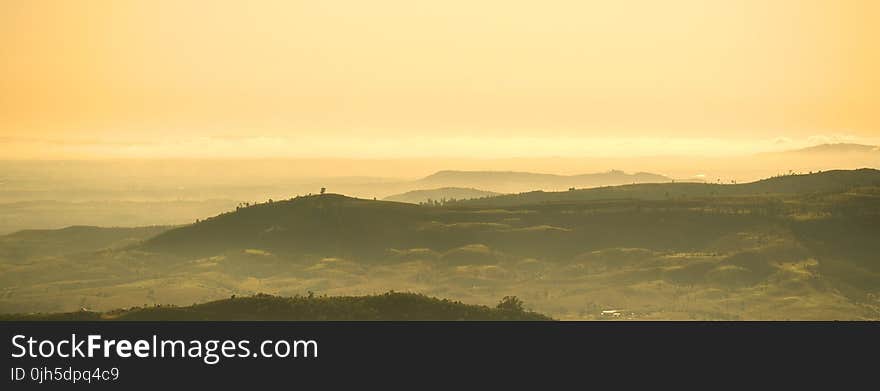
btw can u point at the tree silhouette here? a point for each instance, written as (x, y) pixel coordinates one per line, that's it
(510, 303)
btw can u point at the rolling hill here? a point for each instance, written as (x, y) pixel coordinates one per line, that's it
(318, 224)
(338, 226)
(668, 217)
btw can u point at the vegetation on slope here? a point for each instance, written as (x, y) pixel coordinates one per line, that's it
(388, 306)
(441, 195)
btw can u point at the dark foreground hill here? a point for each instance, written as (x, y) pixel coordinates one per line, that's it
(388, 306)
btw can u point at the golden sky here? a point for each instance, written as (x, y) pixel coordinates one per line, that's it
(393, 78)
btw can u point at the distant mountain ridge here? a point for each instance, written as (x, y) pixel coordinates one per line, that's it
(819, 182)
(838, 148)
(829, 151)
(514, 181)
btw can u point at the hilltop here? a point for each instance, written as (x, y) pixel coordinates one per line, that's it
(319, 224)
(388, 306)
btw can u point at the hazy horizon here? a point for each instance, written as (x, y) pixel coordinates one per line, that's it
(409, 79)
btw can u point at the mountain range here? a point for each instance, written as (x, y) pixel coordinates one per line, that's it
(512, 181)
(795, 246)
